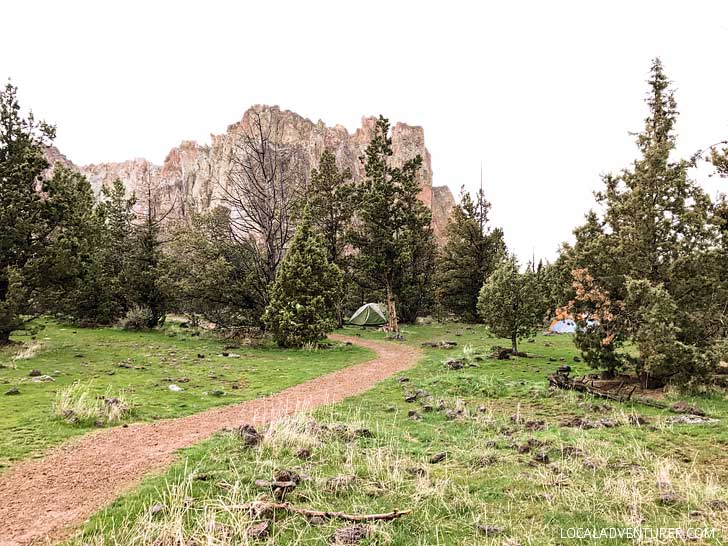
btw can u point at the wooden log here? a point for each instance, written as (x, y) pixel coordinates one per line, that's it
(310, 513)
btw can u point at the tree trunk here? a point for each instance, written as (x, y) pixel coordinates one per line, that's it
(514, 344)
(392, 323)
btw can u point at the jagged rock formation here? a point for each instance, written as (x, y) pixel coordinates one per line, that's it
(442, 204)
(192, 174)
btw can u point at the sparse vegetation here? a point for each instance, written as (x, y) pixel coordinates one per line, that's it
(514, 469)
(103, 362)
(77, 404)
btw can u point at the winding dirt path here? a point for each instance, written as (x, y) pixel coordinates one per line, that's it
(44, 500)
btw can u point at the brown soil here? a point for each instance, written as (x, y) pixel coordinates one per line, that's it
(44, 500)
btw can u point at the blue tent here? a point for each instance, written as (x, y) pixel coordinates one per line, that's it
(564, 326)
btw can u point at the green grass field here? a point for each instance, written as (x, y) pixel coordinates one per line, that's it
(140, 366)
(512, 472)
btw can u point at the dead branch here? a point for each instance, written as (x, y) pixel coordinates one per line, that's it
(309, 513)
(562, 381)
(275, 484)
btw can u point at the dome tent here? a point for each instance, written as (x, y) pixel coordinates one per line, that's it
(563, 326)
(369, 314)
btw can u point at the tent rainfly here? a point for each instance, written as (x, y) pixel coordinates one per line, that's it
(563, 326)
(369, 314)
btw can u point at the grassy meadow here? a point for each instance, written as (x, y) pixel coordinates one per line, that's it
(137, 368)
(486, 454)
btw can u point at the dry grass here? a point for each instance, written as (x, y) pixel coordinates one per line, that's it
(77, 404)
(28, 351)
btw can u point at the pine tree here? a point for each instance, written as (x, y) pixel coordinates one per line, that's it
(303, 298)
(390, 218)
(510, 302)
(471, 252)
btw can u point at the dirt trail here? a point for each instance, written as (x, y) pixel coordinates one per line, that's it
(44, 500)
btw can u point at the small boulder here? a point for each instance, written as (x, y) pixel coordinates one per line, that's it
(12, 390)
(157, 508)
(303, 454)
(340, 483)
(258, 531)
(684, 407)
(352, 534)
(490, 530)
(542, 457)
(35, 373)
(454, 364)
(250, 435)
(438, 457)
(285, 475)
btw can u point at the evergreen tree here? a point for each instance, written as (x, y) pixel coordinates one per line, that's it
(212, 276)
(415, 285)
(656, 228)
(101, 294)
(303, 298)
(149, 281)
(471, 252)
(389, 218)
(41, 217)
(330, 200)
(510, 302)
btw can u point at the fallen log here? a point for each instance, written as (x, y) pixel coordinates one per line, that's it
(261, 506)
(265, 484)
(561, 381)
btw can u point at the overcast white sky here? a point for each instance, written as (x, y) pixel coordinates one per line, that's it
(544, 93)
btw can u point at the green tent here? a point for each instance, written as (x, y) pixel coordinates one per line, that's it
(369, 314)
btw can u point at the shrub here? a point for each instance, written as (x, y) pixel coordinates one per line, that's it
(137, 318)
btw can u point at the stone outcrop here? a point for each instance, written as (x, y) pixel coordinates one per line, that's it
(192, 175)
(442, 204)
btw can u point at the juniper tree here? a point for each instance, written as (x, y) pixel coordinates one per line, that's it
(389, 218)
(510, 302)
(39, 215)
(303, 298)
(148, 281)
(656, 228)
(470, 254)
(101, 293)
(212, 276)
(330, 200)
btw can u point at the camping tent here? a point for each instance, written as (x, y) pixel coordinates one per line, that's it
(369, 314)
(563, 326)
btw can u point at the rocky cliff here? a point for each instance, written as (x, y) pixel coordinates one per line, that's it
(192, 174)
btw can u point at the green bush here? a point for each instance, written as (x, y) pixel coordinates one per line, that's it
(304, 296)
